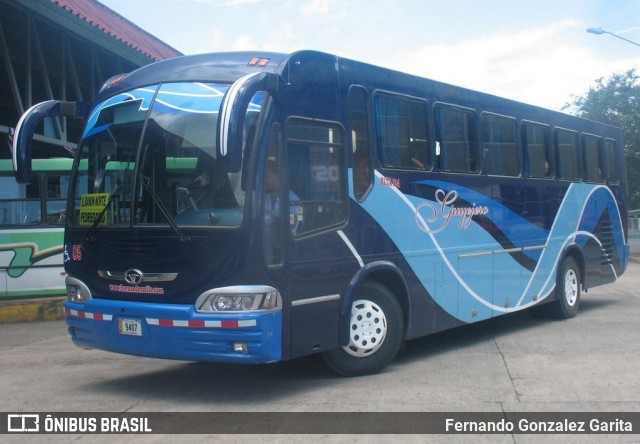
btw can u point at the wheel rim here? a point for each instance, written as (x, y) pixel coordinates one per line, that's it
(571, 287)
(368, 328)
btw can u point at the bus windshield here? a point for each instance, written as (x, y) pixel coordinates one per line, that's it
(148, 156)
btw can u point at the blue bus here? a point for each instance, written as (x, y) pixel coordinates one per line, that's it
(258, 207)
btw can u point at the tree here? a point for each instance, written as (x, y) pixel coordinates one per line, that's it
(616, 101)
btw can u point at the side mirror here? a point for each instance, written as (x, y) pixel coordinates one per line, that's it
(26, 128)
(231, 119)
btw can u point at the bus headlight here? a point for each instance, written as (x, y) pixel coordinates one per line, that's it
(77, 291)
(239, 298)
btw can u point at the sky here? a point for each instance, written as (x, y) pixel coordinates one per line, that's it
(534, 51)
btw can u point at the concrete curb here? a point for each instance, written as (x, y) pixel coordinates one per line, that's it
(32, 310)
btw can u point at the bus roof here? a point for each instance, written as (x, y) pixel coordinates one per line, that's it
(220, 67)
(230, 66)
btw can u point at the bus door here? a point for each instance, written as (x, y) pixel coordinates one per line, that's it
(316, 188)
(314, 184)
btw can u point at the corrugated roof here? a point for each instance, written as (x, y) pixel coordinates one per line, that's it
(118, 27)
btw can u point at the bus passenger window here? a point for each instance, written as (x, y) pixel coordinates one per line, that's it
(611, 164)
(359, 118)
(499, 145)
(402, 132)
(592, 150)
(456, 139)
(537, 150)
(19, 204)
(418, 142)
(567, 154)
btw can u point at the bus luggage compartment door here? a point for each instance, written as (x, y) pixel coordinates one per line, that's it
(314, 324)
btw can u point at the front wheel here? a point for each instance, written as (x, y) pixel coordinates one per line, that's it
(375, 332)
(567, 291)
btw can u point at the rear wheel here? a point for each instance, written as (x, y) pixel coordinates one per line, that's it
(375, 332)
(567, 300)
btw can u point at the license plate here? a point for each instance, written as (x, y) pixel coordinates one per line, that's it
(130, 327)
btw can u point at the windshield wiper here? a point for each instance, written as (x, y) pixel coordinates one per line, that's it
(146, 182)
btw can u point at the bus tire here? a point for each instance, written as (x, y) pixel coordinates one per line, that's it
(567, 292)
(375, 332)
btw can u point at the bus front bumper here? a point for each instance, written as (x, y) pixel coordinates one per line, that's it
(173, 331)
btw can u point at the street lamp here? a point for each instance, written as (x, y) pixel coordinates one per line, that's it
(600, 31)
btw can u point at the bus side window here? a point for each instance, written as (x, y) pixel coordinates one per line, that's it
(418, 140)
(56, 199)
(359, 118)
(535, 138)
(402, 132)
(611, 164)
(593, 158)
(19, 204)
(567, 154)
(499, 145)
(456, 137)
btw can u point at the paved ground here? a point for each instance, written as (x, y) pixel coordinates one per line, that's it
(634, 243)
(511, 364)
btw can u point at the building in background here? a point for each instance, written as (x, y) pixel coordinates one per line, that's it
(63, 49)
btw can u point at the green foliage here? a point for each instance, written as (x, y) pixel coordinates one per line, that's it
(616, 101)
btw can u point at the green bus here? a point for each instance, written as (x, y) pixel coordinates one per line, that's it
(32, 219)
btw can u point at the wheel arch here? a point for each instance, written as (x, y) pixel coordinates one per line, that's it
(385, 273)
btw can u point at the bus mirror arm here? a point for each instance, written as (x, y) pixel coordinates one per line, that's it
(233, 111)
(26, 128)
